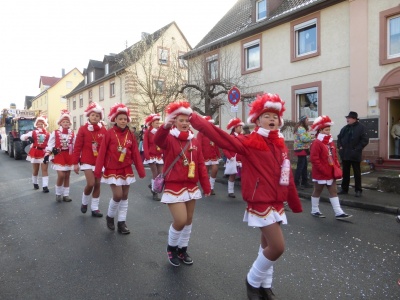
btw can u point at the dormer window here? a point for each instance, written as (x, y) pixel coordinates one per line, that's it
(261, 10)
(106, 68)
(86, 79)
(91, 76)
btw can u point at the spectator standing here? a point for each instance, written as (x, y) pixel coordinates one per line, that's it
(211, 155)
(301, 146)
(323, 159)
(352, 139)
(395, 132)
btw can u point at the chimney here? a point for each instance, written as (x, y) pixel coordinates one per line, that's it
(62, 72)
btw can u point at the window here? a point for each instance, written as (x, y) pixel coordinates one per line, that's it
(251, 54)
(69, 85)
(163, 55)
(90, 96)
(91, 76)
(261, 10)
(74, 123)
(389, 36)
(212, 67)
(86, 79)
(106, 68)
(74, 103)
(80, 100)
(182, 62)
(158, 86)
(305, 41)
(101, 93)
(306, 100)
(112, 89)
(80, 120)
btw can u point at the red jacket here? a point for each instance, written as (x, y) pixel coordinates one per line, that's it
(208, 148)
(261, 168)
(321, 170)
(109, 155)
(151, 150)
(178, 176)
(83, 152)
(229, 154)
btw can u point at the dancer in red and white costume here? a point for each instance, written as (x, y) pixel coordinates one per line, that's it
(323, 156)
(267, 182)
(39, 138)
(235, 125)
(152, 153)
(118, 151)
(61, 144)
(211, 155)
(86, 149)
(181, 190)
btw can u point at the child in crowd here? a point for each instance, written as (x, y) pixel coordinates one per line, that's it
(118, 151)
(39, 139)
(182, 152)
(235, 125)
(211, 155)
(267, 183)
(152, 153)
(86, 148)
(61, 144)
(323, 157)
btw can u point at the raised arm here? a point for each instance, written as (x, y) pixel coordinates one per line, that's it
(217, 135)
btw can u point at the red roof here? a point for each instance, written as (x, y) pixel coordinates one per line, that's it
(48, 81)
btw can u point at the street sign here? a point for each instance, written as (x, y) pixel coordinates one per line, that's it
(234, 95)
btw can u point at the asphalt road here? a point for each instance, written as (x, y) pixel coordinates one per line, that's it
(50, 250)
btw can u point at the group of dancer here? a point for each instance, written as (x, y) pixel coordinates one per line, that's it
(267, 182)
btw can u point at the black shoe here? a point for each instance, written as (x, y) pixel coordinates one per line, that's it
(398, 219)
(343, 216)
(307, 186)
(318, 215)
(45, 189)
(83, 209)
(96, 213)
(155, 197)
(110, 223)
(122, 228)
(212, 192)
(253, 293)
(173, 255)
(35, 186)
(342, 192)
(231, 195)
(184, 256)
(267, 294)
(358, 194)
(154, 193)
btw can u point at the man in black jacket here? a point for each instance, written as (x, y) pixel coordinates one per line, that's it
(351, 141)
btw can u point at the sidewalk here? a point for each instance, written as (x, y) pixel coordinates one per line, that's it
(371, 199)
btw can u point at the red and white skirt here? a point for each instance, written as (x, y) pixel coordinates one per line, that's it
(62, 161)
(213, 161)
(174, 193)
(118, 177)
(265, 218)
(35, 156)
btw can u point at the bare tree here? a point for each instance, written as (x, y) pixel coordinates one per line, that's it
(211, 76)
(154, 73)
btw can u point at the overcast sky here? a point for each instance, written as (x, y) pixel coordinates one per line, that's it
(42, 37)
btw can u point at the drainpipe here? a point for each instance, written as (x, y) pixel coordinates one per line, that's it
(120, 86)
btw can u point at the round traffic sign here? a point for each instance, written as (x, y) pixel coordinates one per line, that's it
(234, 95)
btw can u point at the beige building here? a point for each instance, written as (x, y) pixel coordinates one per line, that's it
(320, 56)
(51, 99)
(142, 77)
